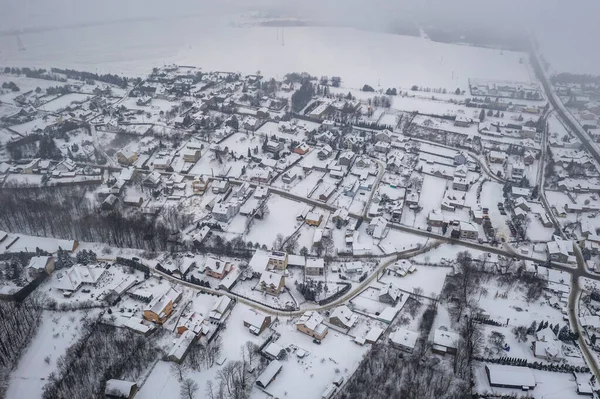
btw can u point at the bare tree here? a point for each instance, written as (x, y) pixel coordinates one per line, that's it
(188, 389)
(466, 278)
(178, 370)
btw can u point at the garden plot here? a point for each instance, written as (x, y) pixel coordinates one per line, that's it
(27, 128)
(430, 279)
(64, 101)
(251, 290)
(56, 333)
(281, 219)
(368, 302)
(432, 193)
(397, 241)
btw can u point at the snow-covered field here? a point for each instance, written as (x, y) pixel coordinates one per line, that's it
(359, 57)
(57, 331)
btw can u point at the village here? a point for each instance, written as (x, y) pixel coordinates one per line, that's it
(261, 238)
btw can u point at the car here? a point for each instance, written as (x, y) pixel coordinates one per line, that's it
(429, 228)
(317, 341)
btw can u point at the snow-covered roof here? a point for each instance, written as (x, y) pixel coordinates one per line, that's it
(220, 306)
(315, 263)
(313, 321)
(270, 279)
(269, 373)
(392, 290)
(77, 275)
(374, 334)
(259, 261)
(273, 349)
(510, 375)
(37, 262)
(254, 318)
(344, 315)
(182, 344)
(444, 338)
(119, 388)
(296, 260)
(404, 337)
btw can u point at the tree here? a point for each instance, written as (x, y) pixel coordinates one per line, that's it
(278, 243)
(304, 251)
(414, 88)
(457, 91)
(467, 280)
(178, 370)
(482, 115)
(63, 260)
(490, 112)
(367, 88)
(188, 389)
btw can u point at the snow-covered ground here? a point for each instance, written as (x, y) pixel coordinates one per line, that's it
(57, 331)
(134, 47)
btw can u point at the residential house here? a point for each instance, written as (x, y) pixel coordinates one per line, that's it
(289, 176)
(256, 322)
(39, 265)
(220, 307)
(528, 157)
(269, 374)
(302, 149)
(277, 260)
(133, 200)
(468, 231)
(220, 186)
(162, 163)
(560, 250)
(460, 184)
(120, 389)
(404, 339)
(152, 180)
(445, 342)
(343, 317)
(462, 121)
(109, 203)
(271, 283)
(435, 218)
(324, 152)
(517, 171)
(390, 294)
(191, 155)
(217, 268)
(262, 175)
(31, 167)
(127, 157)
(224, 212)
(72, 279)
(181, 347)
(199, 185)
(497, 157)
(326, 192)
(311, 324)
(161, 307)
(382, 146)
(314, 218)
(193, 322)
(274, 146)
(314, 267)
(346, 158)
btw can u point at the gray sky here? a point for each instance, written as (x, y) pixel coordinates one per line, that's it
(564, 27)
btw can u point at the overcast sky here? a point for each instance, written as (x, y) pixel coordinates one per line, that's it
(566, 27)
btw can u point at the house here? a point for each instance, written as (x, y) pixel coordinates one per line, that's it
(289, 176)
(314, 267)
(193, 322)
(274, 146)
(162, 163)
(72, 279)
(528, 132)
(460, 184)
(382, 146)
(109, 203)
(269, 374)
(548, 350)
(390, 294)
(385, 136)
(262, 175)
(353, 267)
(256, 322)
(220, 307)
(120, 389)
(161, 307)
(181, 347)
(373, 335)
(343, 317)
(461, 171)
(435, 218)
(522, 203)
(271, 283)
(377, 227)
(302, 149)
(502, 376)
(560, 250)
(133, 200)
(326, 192)
(191, 154)
(127, 157)
(217, 268)
(528, 157)
(273, 351)
(462, 121)
(496, 157)
(311, 324)
(404, 339)
(199, 185)
(324, 152)
(277, 260)
(517, 171)
(38, 265)
(152, 180)
(314, 218)
(520, 192)
(220, 186)
(468, 231)
(224, 212)
(346, 158)
(445, 342)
